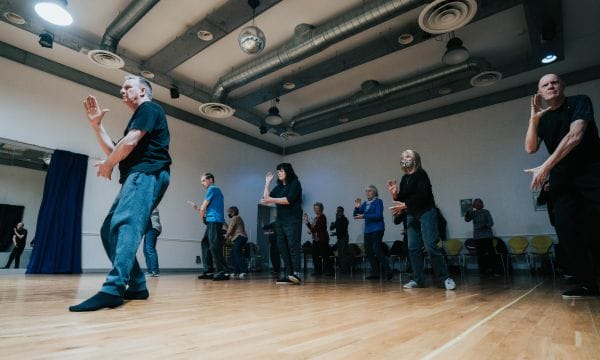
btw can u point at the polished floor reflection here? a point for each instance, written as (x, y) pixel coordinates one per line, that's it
(343, 318)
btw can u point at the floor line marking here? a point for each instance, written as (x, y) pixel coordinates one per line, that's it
(461, 336)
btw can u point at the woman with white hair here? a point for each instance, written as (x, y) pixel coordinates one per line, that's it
(415, 197)
(371, 210)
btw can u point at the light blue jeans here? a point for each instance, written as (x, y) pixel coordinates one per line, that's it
(150, 253)
(124, 227)
(423, 232)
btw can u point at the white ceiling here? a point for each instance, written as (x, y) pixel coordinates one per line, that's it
(502, 39)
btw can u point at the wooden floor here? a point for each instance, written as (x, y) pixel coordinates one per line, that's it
(323, 319)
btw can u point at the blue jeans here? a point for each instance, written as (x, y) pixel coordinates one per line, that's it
(374, 253)
(150, 250)
(288, 242)
(423, 232)
(124, 226)
(236, 254)
(215, 240)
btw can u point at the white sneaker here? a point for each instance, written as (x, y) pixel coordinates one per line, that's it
(242, 275)
(449, 284)
(412, 285)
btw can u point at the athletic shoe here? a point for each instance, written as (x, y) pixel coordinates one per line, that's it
(412, 285)
(284, 281)
(581, 291)
(221, 277)
(242, 275)
(449, 284)
(372, 277)
(155, 274)
(295, 279)
(206, 276)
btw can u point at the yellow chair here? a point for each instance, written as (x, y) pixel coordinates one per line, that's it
(453, 248)
(540, 248)
(517, 246)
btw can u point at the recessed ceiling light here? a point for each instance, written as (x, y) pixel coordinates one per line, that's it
(53, 12)
(204, 35)
(147, 74)
(288, 85)
(14, 18)
(549, 58)
(405, 39)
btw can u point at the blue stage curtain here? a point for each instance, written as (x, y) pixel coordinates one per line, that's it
(57, 247)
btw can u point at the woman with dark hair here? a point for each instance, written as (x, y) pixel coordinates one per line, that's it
(371, 210)
(320, 245)
(287, 197)
(236, 232)
(415, 197)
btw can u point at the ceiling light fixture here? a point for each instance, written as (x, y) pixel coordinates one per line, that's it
(405, 39)
(274, 118)
(252, 40)
(455, 53)
(46, 39)
(204, 35)
(54, 12)
(14, 18)
(549, 57)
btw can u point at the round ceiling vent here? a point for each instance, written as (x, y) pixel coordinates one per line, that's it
(106, 59)
(14, 18)
(288, 134)
(216, 110)
(442, 16)
(486, 78)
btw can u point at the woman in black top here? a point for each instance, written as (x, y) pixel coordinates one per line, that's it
(415, 197)
(287, 197)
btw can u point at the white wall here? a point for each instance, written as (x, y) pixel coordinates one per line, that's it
(45, 110)
(474, 154)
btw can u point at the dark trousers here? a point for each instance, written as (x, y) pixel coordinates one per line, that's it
(374, 253)
(576, 212)
(274, 253)
(207, 259)
(342, 249)
(486, 255)
(239, 265)
(321, 258)
(216, 242)
(288, 240)
(16, 254)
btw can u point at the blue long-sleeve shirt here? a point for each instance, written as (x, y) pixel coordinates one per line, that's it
(372, 214)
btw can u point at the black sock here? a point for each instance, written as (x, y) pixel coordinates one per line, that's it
(99, 301)
(136, 295)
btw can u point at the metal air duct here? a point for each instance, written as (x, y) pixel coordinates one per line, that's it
(308, 41)
(106, 56)
(372, 92)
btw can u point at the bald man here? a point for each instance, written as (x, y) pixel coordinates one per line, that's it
(567, 127)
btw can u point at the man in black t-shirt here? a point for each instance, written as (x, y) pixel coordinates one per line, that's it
(568, 129)
(19, 239)
(143, 158)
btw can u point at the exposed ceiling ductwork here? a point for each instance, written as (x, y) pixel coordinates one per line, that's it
(309, 41)
(107, 56)
(372, 91)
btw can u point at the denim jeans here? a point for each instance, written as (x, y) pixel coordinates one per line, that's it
(288, 241)
(216, 241)
(423, 232)
(374, 253)
(124, 227)
(239, 265)
(150, 250)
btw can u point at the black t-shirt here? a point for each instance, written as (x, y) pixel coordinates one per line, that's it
(293, 192)
(151, 154)
(23, 232)
(416, 193)
(554, 126)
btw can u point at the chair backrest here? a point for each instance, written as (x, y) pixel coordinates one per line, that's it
(541, 244)
(518, 244)
(453, 247)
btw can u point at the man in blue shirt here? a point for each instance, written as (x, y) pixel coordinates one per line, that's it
(213, 209)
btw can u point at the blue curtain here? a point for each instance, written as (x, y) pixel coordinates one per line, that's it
(57, 247)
